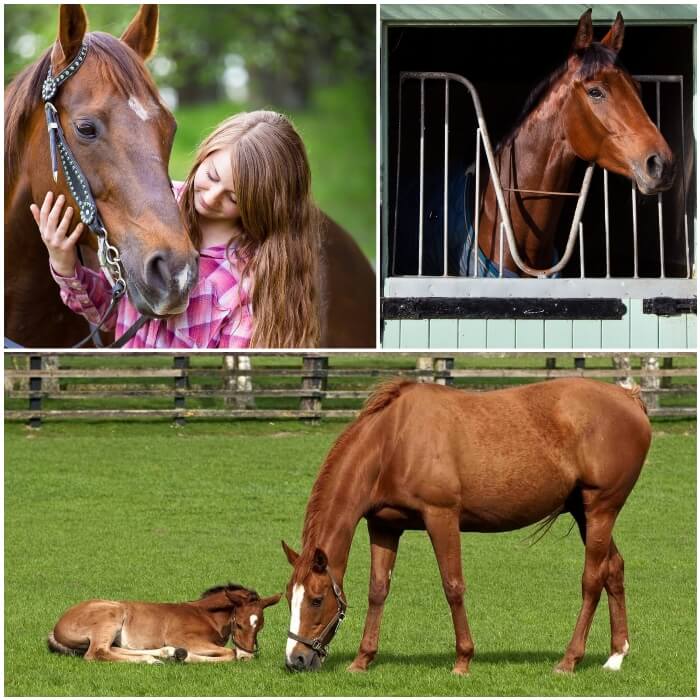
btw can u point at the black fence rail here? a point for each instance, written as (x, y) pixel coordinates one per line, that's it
(99, 386)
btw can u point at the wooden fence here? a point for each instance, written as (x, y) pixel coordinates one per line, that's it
(90, 386)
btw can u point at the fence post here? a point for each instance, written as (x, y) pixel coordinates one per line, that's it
(667, 382)
(35, 391)
(650, 381)
(550, 363)
(314, 377)
(579, 363)
(181, 362)
(443, 371)
(622, 362)
(425, 364)
(235, 383)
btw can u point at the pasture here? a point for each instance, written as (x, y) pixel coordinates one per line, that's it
(150, 511)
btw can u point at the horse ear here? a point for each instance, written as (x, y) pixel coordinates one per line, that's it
(584, 32)
(271, 600)
(72, 25)
(142, 34)
(238, 597)
(320, 561)
(613, 39)
(292, 556)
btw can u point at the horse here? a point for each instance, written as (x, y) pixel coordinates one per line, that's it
(115, 123)
(589, 109)
(194, 632)
(435, 458)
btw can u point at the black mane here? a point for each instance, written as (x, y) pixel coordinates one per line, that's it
(230, 587)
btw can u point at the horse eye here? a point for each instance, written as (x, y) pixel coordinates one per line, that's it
(596, 93)
(86, 129)
(316, 602)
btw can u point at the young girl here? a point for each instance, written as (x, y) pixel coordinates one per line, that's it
(247, 207)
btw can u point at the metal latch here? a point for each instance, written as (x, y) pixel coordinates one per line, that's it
(668, 306)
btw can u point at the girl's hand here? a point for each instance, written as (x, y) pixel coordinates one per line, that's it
(54, 233)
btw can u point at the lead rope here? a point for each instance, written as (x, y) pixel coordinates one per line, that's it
(107, 254)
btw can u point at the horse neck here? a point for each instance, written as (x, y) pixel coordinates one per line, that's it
(340, 497)
(536, 157)
(221, 619)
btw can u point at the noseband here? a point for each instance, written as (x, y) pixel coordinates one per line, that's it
(252, 651)
(108, 255)
(320, 644)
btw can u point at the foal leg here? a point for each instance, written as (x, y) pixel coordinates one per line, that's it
(615, 586)
(383, 545)
(204, 653)
(443, 527)
(599, 524)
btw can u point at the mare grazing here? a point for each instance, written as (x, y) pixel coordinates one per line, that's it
(434, 458)
(196, 632)
(115, 123)
(588, 109)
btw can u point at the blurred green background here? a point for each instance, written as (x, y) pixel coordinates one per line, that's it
(315, 63)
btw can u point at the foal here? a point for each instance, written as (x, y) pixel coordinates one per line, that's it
(194, 632)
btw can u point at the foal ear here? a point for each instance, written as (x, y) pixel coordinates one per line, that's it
(271, 600)
(613, 39)
(320, 563)
(239, 597)
(584, 32)
(142, 34)
(72, 25)
(292, 556)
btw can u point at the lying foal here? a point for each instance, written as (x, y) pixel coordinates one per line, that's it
(110, 630)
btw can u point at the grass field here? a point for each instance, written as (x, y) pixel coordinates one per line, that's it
(149, 511)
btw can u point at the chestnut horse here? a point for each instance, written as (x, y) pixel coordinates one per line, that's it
(115, 122)
(429, 457)
(589, 108)
(196, 632)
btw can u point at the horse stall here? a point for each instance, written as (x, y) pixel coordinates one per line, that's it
(625, 262)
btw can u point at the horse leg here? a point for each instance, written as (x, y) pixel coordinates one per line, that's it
(383, 545)
(198, 653)
(615, 587)
(443, 528)
(102, 651)
(598, 536)
(166, 652)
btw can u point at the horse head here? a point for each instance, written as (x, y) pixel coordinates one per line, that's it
(603, 116)
(121, 135)
(317, 605)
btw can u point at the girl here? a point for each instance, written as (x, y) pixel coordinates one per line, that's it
(248, 209)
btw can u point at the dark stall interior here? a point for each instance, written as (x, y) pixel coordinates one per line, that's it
(505, 64)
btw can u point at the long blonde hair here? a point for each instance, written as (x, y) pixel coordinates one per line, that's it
(280, 242)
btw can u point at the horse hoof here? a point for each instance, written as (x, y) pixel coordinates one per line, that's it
(563, 668)
(459, 671)
(180, 654)
(354, 667)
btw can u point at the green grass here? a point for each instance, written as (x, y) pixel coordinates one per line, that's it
(149, 511)
(338, 131)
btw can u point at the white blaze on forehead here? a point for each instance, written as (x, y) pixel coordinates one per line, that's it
(140, 110)
(295, 622)
(253, 620)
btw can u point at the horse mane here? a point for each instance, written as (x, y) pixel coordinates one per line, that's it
(117, 64)
(385, 394)
(593, 59)
(229, 587)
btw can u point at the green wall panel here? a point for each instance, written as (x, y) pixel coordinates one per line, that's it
(392, 334)
(692, 331)
(443, 333)
(644, 328)
(415, 334)
(616, 334)
(500, 333)
(472, 333)
(559, 335)
(587, 335)
(529, 335)
(672, 332)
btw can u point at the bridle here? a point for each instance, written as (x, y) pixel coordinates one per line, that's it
(252, 651)
(108, 255)
(320, 643)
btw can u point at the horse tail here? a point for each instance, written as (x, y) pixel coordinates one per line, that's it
(58, 648)
(635, 393)
(544, 526)
(383, 395)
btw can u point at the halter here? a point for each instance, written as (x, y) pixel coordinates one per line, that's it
(252, 651)
(108, 255)
(320, 644)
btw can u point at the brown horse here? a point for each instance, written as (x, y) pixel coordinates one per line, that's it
(196, 632)
(115, 123)
(429, 457)
(589, 108)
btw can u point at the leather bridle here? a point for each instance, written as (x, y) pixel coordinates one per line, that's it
(108, 255)
(252, 651)
(320, 643)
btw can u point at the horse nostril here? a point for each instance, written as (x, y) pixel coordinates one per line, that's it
(157, 272)
(299, 662)
(655, 166)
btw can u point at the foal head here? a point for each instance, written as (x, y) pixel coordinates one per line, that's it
(602, 114)
(317, 605)
(247, 616)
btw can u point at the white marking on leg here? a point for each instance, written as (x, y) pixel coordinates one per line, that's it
(253, 620)
(614, 663)
(139, 109)
(295, 622)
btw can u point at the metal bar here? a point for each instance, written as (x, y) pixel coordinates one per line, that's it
(447, 142)
(659, 196)
(500, 251)
(634, 230)
(422, 175)
(398, 175)
(607, 223)
(685, 203)
(659, 78)
(580, 251)
(476, 202)
(556, 194)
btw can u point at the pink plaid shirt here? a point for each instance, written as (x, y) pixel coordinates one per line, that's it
(218, 314)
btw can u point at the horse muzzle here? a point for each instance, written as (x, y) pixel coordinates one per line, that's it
(304, 660)
(654, 173)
